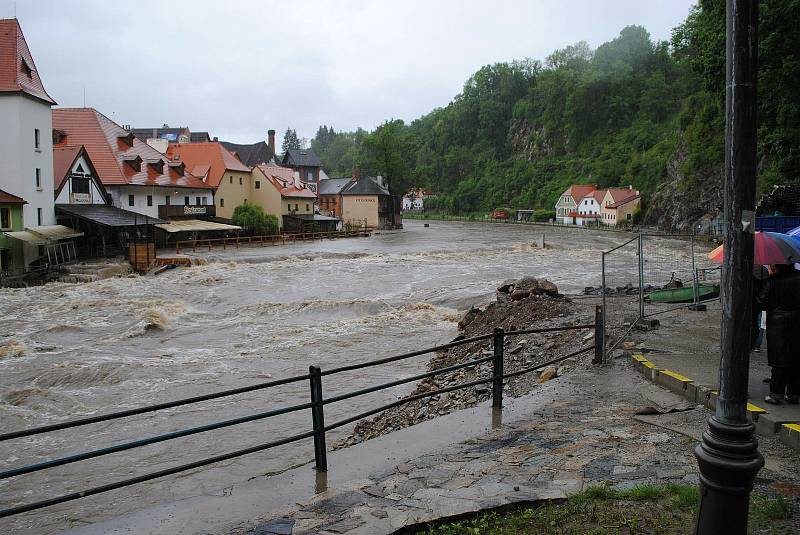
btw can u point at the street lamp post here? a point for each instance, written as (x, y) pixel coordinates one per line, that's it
(728, 454)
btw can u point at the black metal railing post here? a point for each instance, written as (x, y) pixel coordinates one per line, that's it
(497, 368)
(318, 419)
(598, 335)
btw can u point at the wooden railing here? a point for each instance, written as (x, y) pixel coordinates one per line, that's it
(274, 239)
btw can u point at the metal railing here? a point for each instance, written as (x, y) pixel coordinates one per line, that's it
(272, 239)
(316, 404)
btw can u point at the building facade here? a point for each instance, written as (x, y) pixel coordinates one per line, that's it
(136, 176)
(26, 152)
(218, 168)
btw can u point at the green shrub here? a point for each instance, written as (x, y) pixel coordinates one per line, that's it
(252, 218)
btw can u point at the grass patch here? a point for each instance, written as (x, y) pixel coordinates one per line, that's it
(601, 510)
(764, 509)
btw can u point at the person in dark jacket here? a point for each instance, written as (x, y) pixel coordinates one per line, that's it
(760, 274)
(780, 297)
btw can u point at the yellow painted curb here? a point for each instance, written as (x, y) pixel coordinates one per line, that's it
(640, 358)
(792, 427)
(753, 408)
(677, 376)
(648, 364)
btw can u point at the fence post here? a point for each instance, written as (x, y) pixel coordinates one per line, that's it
(641, 275)
(318, 419)
(695, 287)
(598, 335)
(603, 305)
(497, 368)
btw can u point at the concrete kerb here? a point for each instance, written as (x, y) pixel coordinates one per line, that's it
(789, 433)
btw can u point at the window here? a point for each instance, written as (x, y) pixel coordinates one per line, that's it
(186, 201)
(307, 207)
(131, 200)
(203, 201)
(230, 178)
(36, 138)
(296, 207)
(39, 216)
(240, 181)
(38, 178)
(80, 184)
(197, 201)
(629, 216)
(149, 200)
(5, 218)
(166, 200)
(258, 184)
(221, 203)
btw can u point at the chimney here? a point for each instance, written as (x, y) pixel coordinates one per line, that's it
(297, 179)
(630, 186)
(357, 172)
(271, 139)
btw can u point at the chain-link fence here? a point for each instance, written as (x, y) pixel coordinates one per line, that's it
(621, 291)
(652, 274)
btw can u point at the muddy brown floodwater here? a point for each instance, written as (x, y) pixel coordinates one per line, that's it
(68, 351)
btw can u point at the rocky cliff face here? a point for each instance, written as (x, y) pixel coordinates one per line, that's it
(682, 203)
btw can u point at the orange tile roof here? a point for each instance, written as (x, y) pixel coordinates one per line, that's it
(620, 194)
(119, 157)
(579, 191)
(211, 154)
(63, 158)
(282, 178)
(624, 201)
(7, 198)
(17, 70)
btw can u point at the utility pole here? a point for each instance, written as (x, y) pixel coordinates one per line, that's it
(728, 454)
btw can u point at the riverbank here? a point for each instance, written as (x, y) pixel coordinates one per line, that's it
(521, 304)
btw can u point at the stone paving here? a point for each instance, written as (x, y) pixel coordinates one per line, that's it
(563, 446)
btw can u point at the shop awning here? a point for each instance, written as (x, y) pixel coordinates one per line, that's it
(195, 225)
(44, 234)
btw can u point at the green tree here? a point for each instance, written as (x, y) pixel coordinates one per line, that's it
(290, 141)
(252, 218)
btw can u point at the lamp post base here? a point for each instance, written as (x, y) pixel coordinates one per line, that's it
(729, 460)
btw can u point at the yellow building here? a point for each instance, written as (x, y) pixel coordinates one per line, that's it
(283, 194)
(218, 167)
(366, 202)
(619, 206)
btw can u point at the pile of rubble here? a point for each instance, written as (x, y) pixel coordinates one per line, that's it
(527, 303)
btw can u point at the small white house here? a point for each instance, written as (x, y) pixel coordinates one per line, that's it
(588, 209)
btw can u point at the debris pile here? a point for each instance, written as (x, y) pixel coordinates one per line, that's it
(526, 303)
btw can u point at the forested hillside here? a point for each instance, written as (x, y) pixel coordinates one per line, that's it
(632, 112)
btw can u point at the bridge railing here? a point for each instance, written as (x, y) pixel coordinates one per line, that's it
(316, 405)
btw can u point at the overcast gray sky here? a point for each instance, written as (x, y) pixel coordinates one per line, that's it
(238, 68)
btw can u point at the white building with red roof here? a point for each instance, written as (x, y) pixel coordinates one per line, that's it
(567, 207)
(137, 177)
(26, 152)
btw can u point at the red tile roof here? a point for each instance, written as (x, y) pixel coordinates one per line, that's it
(7, 198)
(621, 194)
(18, 72)
(209, 154)
(63, 158)
(118, 157)
(624, 201)
(282, 178)
(579, 191)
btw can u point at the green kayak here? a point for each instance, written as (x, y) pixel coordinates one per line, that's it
(705, 291)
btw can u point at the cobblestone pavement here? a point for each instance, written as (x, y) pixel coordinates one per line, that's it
(566, 444)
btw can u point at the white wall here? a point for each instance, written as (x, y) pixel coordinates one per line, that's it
(95, 197)
(19, 159)
(119, 195)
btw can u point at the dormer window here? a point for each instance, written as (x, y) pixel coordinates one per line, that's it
(178, 167)
(26, 69)
(126, 138)
(157, 166)
(58, 136)
(134, 162)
